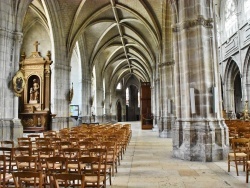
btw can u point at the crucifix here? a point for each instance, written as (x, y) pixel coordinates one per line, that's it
(36, 45)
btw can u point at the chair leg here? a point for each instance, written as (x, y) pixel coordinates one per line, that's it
(236, 166)
(244, 165)
(247, 173)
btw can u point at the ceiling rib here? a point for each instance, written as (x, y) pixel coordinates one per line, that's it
(120, 32)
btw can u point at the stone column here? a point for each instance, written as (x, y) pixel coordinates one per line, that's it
(155, 99)
(167, 101)
(166, 69)
(86, 94)
(10, 44)
(230, 103)
(60, 94)
(107, 107)
(200, 133)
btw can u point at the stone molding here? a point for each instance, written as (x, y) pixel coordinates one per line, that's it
(169, 63)
(11, 34)
(200, 21)
(61, 67)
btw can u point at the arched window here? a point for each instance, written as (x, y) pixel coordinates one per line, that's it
(247, 8)
(127, 96)
(218, 33)
(230, 18)
(119, 86)
(139, 100)
(93, 91)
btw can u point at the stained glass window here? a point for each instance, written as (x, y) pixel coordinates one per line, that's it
(230, 13)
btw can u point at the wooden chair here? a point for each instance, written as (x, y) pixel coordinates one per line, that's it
(24, 142)
(7, 143)
(9, 157)
(42, 143)
(84, 147)
(102, 153)
(50, 134)
(55, 143)
(239, 154)
(26, 163)
(111, 148)
(72, 154)
(56, 165)
(43, 154)
(5, 176)
(63, 145)
(34, 179)
(22, 151)
(247, 170)
(91, 168)
(74, 141)
(33, 138)
(69, 180)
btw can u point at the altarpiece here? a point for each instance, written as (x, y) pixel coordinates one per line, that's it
(34, 102)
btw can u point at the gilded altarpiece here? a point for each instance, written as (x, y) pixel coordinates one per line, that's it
(34, 108)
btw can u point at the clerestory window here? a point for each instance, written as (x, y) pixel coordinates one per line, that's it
(230, 17)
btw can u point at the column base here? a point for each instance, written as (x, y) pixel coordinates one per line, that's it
(165, 134)
(155, 128)
(200, 140)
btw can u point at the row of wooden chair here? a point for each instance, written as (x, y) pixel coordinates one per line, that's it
(91, 173)
(240, 155)
(114, 139)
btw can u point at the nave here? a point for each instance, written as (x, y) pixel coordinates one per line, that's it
(148, 163)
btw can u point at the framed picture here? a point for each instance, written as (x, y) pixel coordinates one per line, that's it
(74, 110)
(18, 82)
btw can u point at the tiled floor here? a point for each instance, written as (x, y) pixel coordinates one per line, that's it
(148, 163)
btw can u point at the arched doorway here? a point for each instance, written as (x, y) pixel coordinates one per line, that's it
(237, 94)
(233, 89)
(132, 109)
(119, 111)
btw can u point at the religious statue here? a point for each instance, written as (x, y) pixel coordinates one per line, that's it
(71, 93)
(34, 91)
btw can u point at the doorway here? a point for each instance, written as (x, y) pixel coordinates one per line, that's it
(119, 111)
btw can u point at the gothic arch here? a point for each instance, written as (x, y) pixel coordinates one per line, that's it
(232, 74)
(246, 76)
(119, 110)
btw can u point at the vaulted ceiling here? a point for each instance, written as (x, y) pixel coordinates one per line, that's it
(122, 37)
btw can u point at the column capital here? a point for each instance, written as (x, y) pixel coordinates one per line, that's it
(168, 63)
(199, 21)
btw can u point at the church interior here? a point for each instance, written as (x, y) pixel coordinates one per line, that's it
(175, 70)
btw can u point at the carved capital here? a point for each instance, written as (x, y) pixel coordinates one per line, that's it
(199, 21)
(18, 37)
(169, 63)
(175, 28)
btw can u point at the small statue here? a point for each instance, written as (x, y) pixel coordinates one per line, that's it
(71, 93)
(34, 91)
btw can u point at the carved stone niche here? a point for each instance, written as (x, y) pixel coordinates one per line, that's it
(34, 108)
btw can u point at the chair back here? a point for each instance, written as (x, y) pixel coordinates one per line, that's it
(91, 168)
(69, 180)
(4, 176)
(34, 179)
(26, 163)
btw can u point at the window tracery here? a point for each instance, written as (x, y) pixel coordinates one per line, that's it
(230, 17)
(230, 13)
(247, 8)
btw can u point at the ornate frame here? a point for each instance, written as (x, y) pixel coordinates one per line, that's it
(19, 83)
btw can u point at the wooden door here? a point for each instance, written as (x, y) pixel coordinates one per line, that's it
(119, 112)
(146, 114)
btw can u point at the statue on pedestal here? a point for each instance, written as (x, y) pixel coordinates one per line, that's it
(34, 92)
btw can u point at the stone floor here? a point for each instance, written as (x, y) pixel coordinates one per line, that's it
(148, 163)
